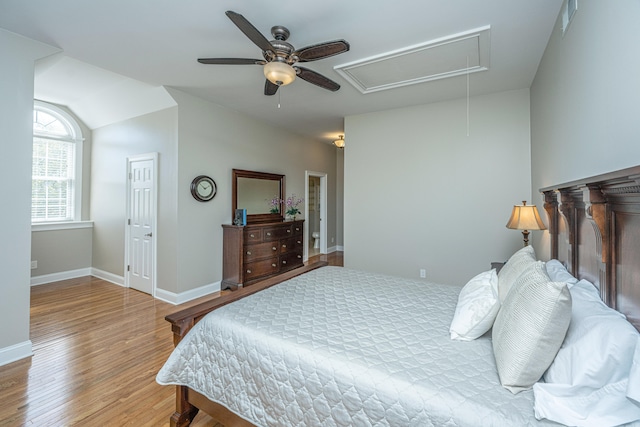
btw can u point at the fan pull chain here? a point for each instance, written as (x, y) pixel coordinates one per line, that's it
(279, 92)
(467, 95)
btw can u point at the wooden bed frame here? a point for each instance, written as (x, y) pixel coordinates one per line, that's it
(594, 227)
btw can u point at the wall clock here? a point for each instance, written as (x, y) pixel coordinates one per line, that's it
(203, 188)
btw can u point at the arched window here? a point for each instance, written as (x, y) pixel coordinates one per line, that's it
(57, 165)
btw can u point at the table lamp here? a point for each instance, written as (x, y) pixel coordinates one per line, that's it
(525, 217)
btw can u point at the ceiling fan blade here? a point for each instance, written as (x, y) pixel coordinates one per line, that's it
(270, 88)
(250, 31)
(231, 61)
(317, 79)
(322, 50)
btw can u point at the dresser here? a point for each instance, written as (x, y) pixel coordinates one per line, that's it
(254, 252)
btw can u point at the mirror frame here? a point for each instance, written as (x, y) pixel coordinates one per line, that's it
(257, 218)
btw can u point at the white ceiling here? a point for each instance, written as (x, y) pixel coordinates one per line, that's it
(157, 44)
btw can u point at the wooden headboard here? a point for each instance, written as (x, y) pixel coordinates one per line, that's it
(594, 225)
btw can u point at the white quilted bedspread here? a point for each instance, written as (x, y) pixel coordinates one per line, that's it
(339, 347)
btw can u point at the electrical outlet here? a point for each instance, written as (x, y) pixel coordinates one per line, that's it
(423, 273)
(34, 265)
(333, 239)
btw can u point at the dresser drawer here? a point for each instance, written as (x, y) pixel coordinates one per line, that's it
(292, 244)
(260, 250)
(298, 244)
(291, 260)
(253, 235)
(296, 229)
(261, 268)
(286, 245)
(279, 232)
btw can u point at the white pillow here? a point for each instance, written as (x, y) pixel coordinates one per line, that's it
(558, 273)
(530, 328)
(515, 266)
(478, 305)
(594, 378)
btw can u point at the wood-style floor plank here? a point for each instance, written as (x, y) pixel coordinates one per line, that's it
(97, 349)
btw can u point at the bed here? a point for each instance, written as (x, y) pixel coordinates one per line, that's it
(333, 346)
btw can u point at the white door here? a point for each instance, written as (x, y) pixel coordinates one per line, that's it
(141, 225)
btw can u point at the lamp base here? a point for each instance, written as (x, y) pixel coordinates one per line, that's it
(525, 234)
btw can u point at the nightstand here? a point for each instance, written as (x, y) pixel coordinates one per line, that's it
(497, 266)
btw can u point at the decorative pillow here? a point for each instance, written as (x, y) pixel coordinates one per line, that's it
(530, 328)
(594, 379)
(558, 273)
(514, 267)
(478, 305)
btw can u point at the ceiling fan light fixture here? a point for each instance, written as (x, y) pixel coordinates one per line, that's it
(279, 73)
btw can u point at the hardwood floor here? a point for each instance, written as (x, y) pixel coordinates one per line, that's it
(334, 258)
(97, 348)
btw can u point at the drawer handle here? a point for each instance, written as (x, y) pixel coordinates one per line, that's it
(274, 265)
(252, 235)
(268, 234)
(248, 271)
(284, 262)
(284, 246)
(274, 248)
(299, 256)
(297, 228)
(288, 231)
(248, 252)
(299, 242)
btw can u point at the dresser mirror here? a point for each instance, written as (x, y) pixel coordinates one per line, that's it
(254, 191)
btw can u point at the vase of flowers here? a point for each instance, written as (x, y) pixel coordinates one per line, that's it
(274, 204)
(291, 203)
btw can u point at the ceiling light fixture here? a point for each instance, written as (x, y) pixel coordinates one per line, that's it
(279, 73)
(339, 142)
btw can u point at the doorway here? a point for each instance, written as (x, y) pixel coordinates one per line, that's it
(140, 229)
(315, 214)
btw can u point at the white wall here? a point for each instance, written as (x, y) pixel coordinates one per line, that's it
(16, 122)
(214, 140)
(52, 263)
(420, 193)
(60, 251)
(194, 138)
(584, 99)
(112, 144)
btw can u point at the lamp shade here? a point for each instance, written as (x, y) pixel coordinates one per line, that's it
(279, 73)
(525, 217)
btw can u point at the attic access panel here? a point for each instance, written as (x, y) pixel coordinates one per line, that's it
(433, 60)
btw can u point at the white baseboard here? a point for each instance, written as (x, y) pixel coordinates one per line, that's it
(15, 352)
(161, 294)
(109, 277)
(63, 275)
(176, 299)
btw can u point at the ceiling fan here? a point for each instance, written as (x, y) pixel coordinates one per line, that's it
(280, 57)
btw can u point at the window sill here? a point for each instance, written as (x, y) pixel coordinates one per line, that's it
(68, 225)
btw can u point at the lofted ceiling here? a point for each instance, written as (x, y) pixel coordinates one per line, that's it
(126, 43)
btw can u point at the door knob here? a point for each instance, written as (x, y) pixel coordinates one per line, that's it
(148, 235)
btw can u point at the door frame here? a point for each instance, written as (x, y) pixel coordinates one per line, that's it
(323, 212)
(154, 206)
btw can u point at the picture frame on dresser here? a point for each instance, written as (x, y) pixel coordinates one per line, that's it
(240, 217)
